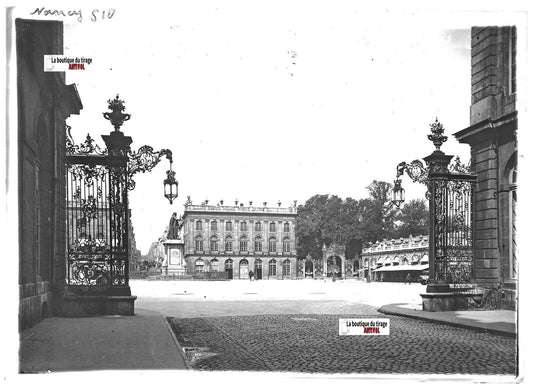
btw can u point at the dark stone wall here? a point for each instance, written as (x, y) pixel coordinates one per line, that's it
(44, 101)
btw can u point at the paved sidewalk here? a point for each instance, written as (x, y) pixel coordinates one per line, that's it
(143, 341)
(502, 322)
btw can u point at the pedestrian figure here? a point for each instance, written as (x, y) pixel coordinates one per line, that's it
(251, 275)
(408, 279)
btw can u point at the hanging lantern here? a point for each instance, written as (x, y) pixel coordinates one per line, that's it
(171, 185)
(398, 193)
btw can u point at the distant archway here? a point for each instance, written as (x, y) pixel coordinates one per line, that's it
(334, 266)
(309, 269)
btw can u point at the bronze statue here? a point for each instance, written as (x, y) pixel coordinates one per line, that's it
(174, 227)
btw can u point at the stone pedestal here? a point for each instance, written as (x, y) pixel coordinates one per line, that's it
(174, 260)
(441, 297)
(88, 302)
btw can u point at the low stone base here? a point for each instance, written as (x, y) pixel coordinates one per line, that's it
(175, 271)
(75, 305)
(448, 301)
(122, 306)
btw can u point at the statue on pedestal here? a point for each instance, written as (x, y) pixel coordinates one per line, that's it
(174, 226)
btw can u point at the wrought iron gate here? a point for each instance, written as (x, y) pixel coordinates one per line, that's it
(97, 216)
(451, 194)
(97, 185)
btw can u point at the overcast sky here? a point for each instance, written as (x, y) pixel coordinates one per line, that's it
(269, 101)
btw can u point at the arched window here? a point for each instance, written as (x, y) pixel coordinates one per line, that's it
(286, 244)
(286, 227)
(287, 267)
(229, 243)
(258, 226)
(272, 268)
(214, 226)
(258, 244)
(213, 244)
(243, 244)
(272, 245)
(199, 265)
(228, 264)
(272, 227)
(213, 265)
(199, 243)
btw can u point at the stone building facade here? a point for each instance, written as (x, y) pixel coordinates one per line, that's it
(44, 101)
(392, 260)
(232, 240)
(492, 139)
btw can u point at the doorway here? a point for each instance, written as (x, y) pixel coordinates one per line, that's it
(228, 267)
(258, 269)
(243, 269)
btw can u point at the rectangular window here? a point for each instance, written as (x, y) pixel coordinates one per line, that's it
(229, 245)
(272, 227)
(286, 227)
(243, 246)
(272, 246)
(214, 246)
(258, 247)
(229, 226)
(198, 225)
(286, 246)
(214, 226)
(244, 226)
(258, 226)
(512, 60)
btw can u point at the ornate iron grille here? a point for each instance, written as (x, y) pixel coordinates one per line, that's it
(97, 218)
(453, 241)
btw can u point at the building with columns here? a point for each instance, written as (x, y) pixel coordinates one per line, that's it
(234, 239)
(392, 260)
(492, 140)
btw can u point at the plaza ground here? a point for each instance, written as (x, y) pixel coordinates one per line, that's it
(293, 326)
(274, 327)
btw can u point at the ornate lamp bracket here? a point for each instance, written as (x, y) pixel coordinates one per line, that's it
(144, 160)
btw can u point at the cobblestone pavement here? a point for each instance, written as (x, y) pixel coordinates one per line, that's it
(310, 343)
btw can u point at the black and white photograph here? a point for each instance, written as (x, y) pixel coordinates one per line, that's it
(263, 193)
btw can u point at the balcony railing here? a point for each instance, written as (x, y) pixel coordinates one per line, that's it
(241, 209)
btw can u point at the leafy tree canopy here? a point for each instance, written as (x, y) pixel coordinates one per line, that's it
(327, 219)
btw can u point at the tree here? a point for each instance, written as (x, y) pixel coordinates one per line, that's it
(378, 215)
(413, 219)
(327, 219)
